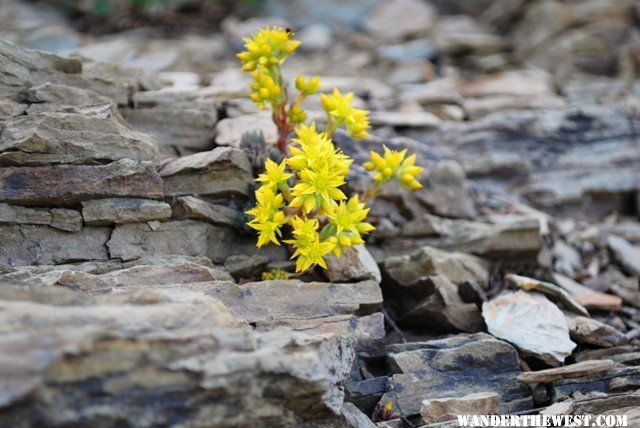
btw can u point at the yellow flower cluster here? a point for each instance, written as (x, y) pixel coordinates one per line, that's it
(275, 274)
(394, 165)
(265, 52)
(268, 47)
(320, 170)
(339, 108)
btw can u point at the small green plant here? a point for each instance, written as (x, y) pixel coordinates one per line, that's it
(303, 191)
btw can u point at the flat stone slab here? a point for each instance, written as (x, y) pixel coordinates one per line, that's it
(23, 245)
(583, 368)
(123, 210)
(455, 367)
(71, 184)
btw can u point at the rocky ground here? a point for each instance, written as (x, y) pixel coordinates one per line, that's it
(129, 284)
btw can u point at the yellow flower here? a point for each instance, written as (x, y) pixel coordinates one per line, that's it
(265, 88)
(394, 165)
(309, 249)
(275, 274)
(266, 48)
(296, 114)
(346, 224)
(275, 175)
(350, 216)
(268, 215)
(317, 189)
(308, 87)
(340, 109)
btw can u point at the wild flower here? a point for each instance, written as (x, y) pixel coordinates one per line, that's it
(302, 197)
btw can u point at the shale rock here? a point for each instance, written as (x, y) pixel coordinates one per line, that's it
(70, 184)
(447, 408)
(355, 263)
(59, 218)
(34, 245)
(101, 212)
(197, 209)
(441, 368)
(593, 332)
(219, 172)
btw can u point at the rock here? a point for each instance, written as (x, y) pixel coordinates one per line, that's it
(441, 311)
(447, 193)
(66, 219)
(229, 131)
(447, 408)
(514, 83)
(30, 245)
(569, 371)
(51, 97)
(180, 237)
(408, 51)
(315, 37)
(100, 212)
(418, 119)
(405, 271)
(586, 296)
(355, 418)
(180, 120)
(593, 332)
(626, 254)
(613, 380)
(71, 184)
(195, 353)
(550, 290)
(145, 275)
(43, 138)
(194, 208)
(219, 172)
(241, 266)
(567, 260)
(455, 367)
(10, 109)
(397, 19)
(509, 237)
(532, 323)
(336, 13)
(354, 264)
(59, 218)
(461, 35)
(365, 393)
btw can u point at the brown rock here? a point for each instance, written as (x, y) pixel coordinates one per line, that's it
(593, 332)
(447, 408)
(355, 263)
(70, 184)
(626, 254)
(581, 369)
(229, 131)
(123, 210)
(60, 218)
(586, 296)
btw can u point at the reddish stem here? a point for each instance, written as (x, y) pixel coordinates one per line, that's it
(283, 129)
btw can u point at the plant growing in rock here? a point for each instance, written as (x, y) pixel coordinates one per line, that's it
(303, 191)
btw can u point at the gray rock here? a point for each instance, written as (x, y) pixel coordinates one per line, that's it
(441, 311)
(406, 270)
(123, 210)
(354, 264)
(418, 119)
(587, 297)
(71, 138)
(229, 131)
(51, 97)
(30, 245)
(447, 408)
(197, 209)
(219, 172)
(530, 322)
(397, 19)
(195, 353)
(550, 290)
(241, 266)
(626, 254)
(71, 184)
(442, 368)
(447, 192)
(66, 219)
(613, 380)
(183, 237)
(354, 417)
